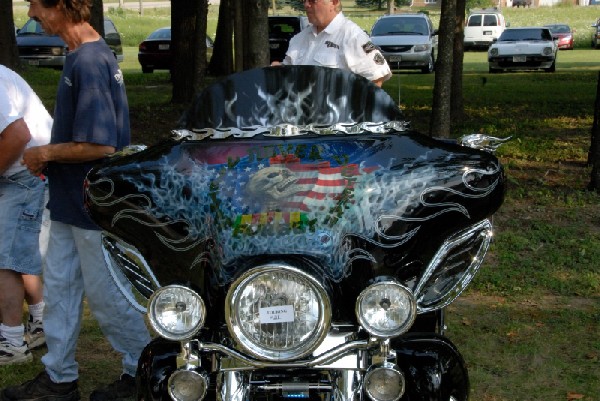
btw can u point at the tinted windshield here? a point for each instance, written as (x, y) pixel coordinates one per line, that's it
(559, 28)
(161, 34)
(525, 34)
(31, 26)
(400, 26)
(283, 27)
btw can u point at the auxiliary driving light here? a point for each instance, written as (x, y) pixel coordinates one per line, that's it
(386, 309)
(187, 385)
(176, 312)
(384, 382)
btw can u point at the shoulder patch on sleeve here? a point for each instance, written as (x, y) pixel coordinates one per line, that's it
(369, 47)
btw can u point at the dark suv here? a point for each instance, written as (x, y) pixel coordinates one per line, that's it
(281, 30)
(38, 48)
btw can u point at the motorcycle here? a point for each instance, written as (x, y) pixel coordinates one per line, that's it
(296, 239)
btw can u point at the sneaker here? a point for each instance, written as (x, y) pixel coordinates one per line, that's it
(122, 389)
(10, 354)
(35, 335)
(42, 389)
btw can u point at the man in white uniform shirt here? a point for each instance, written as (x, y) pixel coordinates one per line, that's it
(334, 41)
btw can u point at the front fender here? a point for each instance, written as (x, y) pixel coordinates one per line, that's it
(434, 369)
(157, 362)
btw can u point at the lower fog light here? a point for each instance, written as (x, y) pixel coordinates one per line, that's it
(187, 385)
(384, 382)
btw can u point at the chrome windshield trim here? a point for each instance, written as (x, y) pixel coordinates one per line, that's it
(290, 130)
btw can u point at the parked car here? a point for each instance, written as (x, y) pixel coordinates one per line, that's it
(407, 41)
(154, 53)
(596, 35)
(564, 34)
(483, 27)
(38, 48)
(526, 48)
(281, 29)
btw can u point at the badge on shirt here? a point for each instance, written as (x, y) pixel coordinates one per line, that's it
(379, 59)
(369, 47)
(331, 44)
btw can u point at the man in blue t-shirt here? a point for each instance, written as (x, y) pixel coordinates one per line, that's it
(91, 121)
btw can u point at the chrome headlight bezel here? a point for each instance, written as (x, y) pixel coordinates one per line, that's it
(315, 295)
(397, 299)
(171, 303)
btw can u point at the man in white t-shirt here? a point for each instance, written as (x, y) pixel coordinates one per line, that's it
(24, 122)
(334, 41)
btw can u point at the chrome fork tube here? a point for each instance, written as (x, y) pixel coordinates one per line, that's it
(348, 386)
(231, 387)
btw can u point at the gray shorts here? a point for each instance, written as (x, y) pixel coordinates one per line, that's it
(21, 208)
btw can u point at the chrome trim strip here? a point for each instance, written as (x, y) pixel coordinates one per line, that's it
(242, 362)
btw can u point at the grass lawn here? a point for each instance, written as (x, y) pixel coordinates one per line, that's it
(528, 325)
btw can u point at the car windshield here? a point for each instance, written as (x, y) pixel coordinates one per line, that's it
(31, 27)
(400, 26)
(559, 28)
(280, 28)
(161, 34)
(511, 35)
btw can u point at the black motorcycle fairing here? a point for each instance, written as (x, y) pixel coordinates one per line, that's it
(157, 362)
(433, 368)
(191, 211)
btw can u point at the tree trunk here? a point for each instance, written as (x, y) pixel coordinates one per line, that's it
(440, 111)
(457, 107)
(221, 62)
(183, 30)
(256, 34)
(238, 32)
(97, 17)
(200, 45)
(594, 153)
(9, 54)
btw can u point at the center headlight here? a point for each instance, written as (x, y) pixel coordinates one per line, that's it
(277, 312)
(176, 312)
(386, 309)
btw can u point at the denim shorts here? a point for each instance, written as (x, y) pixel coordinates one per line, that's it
(21, 209)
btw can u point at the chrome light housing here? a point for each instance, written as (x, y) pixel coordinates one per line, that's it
(453, 267)
(494, 51)
(187, 385)
(176, 312)
(386, 309)
(384, 382)
(278, 312)
(547, 51)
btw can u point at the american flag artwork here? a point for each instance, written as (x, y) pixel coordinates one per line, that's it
(280, 190)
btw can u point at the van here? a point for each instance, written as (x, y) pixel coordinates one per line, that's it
(407, 41)
(483, 27)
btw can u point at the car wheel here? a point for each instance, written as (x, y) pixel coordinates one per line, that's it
(430, 66)
(552, 68)
(147, 70)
